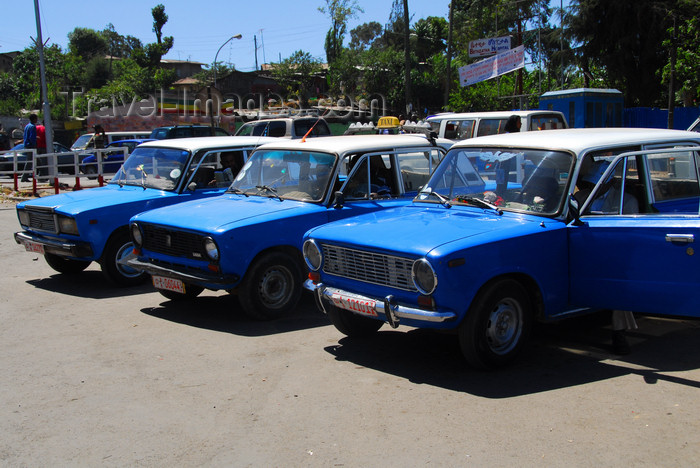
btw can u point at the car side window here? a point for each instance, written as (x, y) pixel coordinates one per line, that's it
(416, 167)
(202, 170)
(371, 177)
(674, 181)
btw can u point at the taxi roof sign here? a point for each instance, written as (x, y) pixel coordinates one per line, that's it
(387, 122)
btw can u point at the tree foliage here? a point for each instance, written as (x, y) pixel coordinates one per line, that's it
(340, 12)
(297, 75)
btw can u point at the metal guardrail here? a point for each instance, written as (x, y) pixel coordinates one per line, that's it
(28, 163)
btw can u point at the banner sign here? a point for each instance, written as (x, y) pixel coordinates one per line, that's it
(492, 67)
(491, 46)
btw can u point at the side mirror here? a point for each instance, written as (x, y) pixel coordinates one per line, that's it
(338, 199)
(192, 187)
(574, 211)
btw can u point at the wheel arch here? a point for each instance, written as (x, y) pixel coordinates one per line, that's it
(289, 250)
(529, 284)
(124, 229)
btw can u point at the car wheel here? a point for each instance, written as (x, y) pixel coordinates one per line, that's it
(65, 265)
(191, 291)
(496, 326)
(351, 324)
(119, 246)
(91, 172)
(272, 287)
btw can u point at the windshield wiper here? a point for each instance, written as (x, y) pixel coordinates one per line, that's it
(236, 191)
(272, 191)
(443, 199)
(480, 202)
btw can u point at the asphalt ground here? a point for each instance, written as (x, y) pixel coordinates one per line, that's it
(94, 375)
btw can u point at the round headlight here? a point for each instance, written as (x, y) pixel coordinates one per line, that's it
(136, 235)
(211, 249)
(424, 276)
(312, 255)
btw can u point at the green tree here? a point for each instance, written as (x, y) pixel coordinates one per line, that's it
(87, 43)
(364, 35)
(621, 39)
(297, 75)
(340, 12)
(682, 40)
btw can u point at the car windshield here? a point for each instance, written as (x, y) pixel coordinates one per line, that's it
(286, 174)
(82, 141)
(508, 179)
(158, 168)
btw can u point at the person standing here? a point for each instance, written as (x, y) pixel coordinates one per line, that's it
(29, 141)
(41, 138)
(100, 137)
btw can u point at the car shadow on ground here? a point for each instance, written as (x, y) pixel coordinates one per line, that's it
(89, 284)
(223, 313)
(558, 356)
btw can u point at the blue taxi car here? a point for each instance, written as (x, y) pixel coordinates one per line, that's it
(71, 230)
(601, 219)
(248, 241)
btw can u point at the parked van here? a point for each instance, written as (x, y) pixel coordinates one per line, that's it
(87, 140)
(286, 128)
(462, 126)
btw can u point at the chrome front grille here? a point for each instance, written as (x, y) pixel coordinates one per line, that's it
(172, 242)
(42, 221)
(370, 267)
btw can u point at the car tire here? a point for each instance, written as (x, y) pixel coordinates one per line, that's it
(65, 265)
(272, 286)
(191, 292)
(497, 325)
(91, 172)
(350, 324)
(118, 247)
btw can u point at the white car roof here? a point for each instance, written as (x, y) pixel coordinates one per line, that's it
(579, 140)
(211, 142)
(485, 115)
(346, 143)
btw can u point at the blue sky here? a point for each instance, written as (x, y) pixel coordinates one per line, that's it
(200, 28)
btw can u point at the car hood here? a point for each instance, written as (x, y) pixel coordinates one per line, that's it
(74, 203)
(225, 212)
(417, 230)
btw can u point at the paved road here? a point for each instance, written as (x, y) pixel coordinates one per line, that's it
(97, 376)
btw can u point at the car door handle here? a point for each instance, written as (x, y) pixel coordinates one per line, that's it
(681, 238)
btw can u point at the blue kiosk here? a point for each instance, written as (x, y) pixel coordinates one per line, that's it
(586, 107)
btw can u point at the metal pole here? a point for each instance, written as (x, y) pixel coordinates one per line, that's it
(44, 91)
(237, 36)
(448, 75)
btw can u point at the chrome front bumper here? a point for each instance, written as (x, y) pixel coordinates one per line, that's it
(211, 281)
(56, 246)
(392, 311)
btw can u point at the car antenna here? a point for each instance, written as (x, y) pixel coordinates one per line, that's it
(303, 139)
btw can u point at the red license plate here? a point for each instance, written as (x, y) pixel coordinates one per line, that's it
(34, 247)
(354, 304)
(169, 284)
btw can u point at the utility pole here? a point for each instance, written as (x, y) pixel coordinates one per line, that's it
(448, 75)
(42, 72)
(407, 58)
(255, 44)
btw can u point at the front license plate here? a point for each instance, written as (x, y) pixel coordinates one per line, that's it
(169, 284)
(361, 306)
(34, 247)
